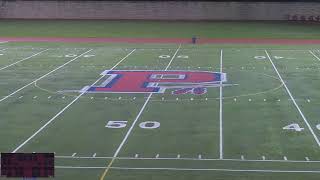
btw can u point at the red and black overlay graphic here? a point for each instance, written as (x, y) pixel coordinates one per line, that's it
(27, 165)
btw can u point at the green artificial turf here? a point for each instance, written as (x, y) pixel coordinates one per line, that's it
(255, 108)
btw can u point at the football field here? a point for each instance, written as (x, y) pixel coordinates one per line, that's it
(262, 122)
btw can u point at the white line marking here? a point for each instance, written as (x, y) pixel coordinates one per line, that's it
(228, 170)
(190, 169)
(293, 100)
(174, 55)
(140, 112)
(79, 167)
(43, 76)
(188, 159)
(22, 60)
(66, 107)
(288, 49)
(220, 111)
(133, 124)
(315, 55)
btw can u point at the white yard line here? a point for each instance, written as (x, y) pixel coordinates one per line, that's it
(5, 67)
(134, 122)
(190, 169)
(122, 59)
(184, 159)
(220, 111)
(286, 49)
(294, 101)
(174, 55)
(226, 170)
(4, 98)
(141, 111)
(314, 55)
(132, 126)
(79, 167)
(67, 106)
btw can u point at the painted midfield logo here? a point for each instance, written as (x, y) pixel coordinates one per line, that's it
(145, 81)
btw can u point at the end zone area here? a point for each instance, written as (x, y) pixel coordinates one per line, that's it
(262, 122)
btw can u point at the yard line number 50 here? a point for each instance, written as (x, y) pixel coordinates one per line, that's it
(143, 125)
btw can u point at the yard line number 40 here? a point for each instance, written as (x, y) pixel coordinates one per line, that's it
(143, 125)
(296, 127)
